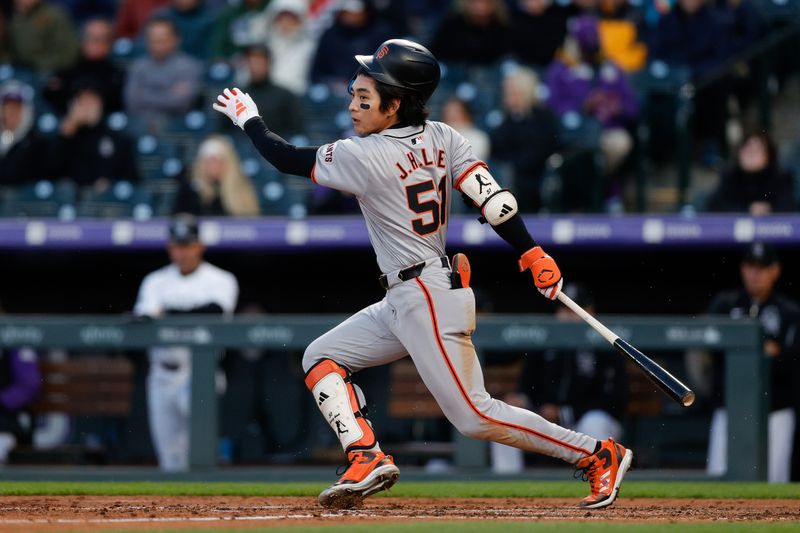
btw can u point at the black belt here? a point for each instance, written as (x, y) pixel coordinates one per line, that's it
(172, 367)
(410, 272)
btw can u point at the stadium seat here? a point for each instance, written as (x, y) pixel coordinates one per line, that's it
(185, 133)
(41, 199)
(573, 176)
(121, 200)
(322, 108)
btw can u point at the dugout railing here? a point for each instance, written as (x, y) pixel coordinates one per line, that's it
(746, 375)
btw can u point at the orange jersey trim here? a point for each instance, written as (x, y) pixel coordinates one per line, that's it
(464, 394)
(313, 177)
(457, 183)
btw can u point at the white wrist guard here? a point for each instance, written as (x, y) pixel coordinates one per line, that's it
(497, 204)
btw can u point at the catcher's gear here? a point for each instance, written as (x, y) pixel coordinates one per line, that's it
(546, 274)
(604, 470)
(405, 64)
(496, 204)
(369, 472)
(461, 272)
(236, 105)
(338, 399)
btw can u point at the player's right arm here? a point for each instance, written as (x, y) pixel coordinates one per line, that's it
(499, 208)
(148, 302)
(286, 157)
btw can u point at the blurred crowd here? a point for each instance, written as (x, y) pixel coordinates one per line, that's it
(105, 104)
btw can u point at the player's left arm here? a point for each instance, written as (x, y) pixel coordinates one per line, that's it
(287, 158)
(499, 208)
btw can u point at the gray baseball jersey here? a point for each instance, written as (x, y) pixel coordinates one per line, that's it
(404, 179)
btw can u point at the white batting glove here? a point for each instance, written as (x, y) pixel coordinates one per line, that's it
(236, 105)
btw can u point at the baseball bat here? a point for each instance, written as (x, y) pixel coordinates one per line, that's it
(665, 381)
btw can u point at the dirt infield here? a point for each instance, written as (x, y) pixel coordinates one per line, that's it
(72, 513)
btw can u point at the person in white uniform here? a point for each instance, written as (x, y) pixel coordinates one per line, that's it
(403, 169)
(187, 285)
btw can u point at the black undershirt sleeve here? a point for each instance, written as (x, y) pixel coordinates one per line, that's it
(287, 158)
(514, 232)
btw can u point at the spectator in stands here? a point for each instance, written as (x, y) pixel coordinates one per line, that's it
(475, 33)
(579, 389)
(760, 270)
(283, 107)
(81, 11)
(238, 26)
(133, 15)
(356, 28)
(21, 147)
(292, 44)
(19, 385)
(583, 81)
(217, 186)
(94, 67)
(187, 286)
(86, 150)
(167, 82)
(194, 21)
(42, 36)
(458, 114)
(744, 24)
(755, 183)
(527, 136)
(622, 28)
(537, 31)
(692, 35)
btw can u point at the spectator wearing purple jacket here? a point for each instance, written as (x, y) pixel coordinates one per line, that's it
(19, 385)
(582, 81)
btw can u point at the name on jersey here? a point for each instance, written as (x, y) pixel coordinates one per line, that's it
(411, 163)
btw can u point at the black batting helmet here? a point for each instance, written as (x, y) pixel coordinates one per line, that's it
(405, 64)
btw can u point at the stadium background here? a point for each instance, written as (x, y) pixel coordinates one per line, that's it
(644, 278)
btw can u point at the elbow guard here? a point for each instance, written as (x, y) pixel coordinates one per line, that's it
(497, 204)
(499, 207)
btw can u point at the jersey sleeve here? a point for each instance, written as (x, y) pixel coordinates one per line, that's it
(463, 159)
(227, 293)
(147, 302)
(341, 165)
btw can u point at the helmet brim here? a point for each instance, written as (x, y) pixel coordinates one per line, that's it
(376, 71)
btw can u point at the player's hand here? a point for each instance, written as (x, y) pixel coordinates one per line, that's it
(237, 106)
(546, 274)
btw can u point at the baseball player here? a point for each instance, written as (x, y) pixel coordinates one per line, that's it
(403, 170)
(187, 285)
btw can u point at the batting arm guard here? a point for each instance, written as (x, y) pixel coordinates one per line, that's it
(497, 205)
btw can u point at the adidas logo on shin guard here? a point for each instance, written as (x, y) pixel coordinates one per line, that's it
(322, 398)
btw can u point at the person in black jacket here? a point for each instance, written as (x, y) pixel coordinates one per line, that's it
(755, 183)
(475, 33)
(779, 316)
(22, 149)
(538, 31)
(527, 136)
(86, 150)
(94, 67)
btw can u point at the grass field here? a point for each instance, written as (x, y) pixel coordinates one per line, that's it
(403, 513)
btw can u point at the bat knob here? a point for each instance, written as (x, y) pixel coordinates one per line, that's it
(688, 399)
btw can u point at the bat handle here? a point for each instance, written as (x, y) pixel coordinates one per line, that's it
(607, 334)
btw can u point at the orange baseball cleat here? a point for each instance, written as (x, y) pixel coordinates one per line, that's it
(604, 471)
(368, 473)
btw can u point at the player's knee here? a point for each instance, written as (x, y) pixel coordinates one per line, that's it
(313, 355)
(475, 428)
